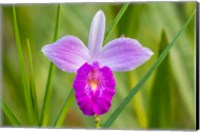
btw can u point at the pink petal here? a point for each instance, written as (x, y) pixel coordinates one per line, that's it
(67, 53)
(94, 101)
(123, 54)
(96, 34)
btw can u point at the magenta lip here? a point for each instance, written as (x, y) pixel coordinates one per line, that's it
(94, 89)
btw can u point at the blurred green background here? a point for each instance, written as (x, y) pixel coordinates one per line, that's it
(166, 100)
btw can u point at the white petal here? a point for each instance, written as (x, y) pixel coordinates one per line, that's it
(96, 34)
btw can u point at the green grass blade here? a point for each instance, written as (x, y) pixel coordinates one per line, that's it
(9, 114)
(183, 66)
(159, 106)
(22, 69)
(64, 109)
(137, 103)
(32, 83)
(57, 22)
(47, 95)
(118, 110)
(116, 20)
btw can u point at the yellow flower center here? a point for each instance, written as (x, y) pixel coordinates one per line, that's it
(94, 79)
(93, 85)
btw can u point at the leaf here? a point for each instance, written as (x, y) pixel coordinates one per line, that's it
(160, 99)
(32, 83)
(132, 20)
(183, 56)
(137, 102)
(29, 106)
(128, 98)
(116, 20)
(45, 107)
(64, 109)
(9, 114)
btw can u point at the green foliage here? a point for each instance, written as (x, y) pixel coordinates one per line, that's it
(64, 109)
(147, 75)
(116, 20)
(160, 99)
(32, 84)
(47, 95)
(9, 114)
(26, 87)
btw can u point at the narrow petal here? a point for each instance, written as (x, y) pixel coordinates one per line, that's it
(68, 53)
(96, 34)
(94, 88)
(123, 54)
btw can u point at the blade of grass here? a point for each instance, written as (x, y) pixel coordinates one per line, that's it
(32, 83)
(132, 20)
(47, 94)
(182, 53)
(27, 96)
(116, 20)
(137, 102)
(119, 109)
(162, 87)
(9, 114)
(64, 109)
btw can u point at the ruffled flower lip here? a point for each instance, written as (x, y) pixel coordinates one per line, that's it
(94, 88)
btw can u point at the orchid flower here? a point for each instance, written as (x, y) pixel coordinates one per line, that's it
(94, 65)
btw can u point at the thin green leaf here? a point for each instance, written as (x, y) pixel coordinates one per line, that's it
(137, 103)
(28, 101)
(9, 114)
(46, 101)
(57, 23)
(182, 54)
(132, 20)
(118, 110)
(160, 108)
(64, 109)
(117, 18)
(32, 83)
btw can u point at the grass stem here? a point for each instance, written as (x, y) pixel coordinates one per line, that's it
(116, 20)
(46, 101)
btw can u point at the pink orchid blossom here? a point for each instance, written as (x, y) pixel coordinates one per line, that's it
(94, 65)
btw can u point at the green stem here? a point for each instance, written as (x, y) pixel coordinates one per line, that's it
(64, 109)
(47, 95)
(97, 121)
(32, 83)
(26, 88)
(9, 114)
(117, 18)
